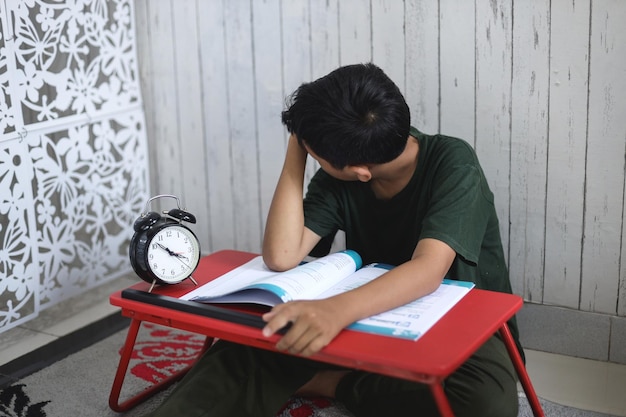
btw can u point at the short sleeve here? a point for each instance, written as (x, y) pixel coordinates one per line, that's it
(460, 209)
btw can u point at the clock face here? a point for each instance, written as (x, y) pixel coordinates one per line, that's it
(173, 254)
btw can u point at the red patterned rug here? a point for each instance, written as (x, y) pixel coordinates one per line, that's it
(166, 351)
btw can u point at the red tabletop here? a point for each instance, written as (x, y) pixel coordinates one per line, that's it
(434, 356)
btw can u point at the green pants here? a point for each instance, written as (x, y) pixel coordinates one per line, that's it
(233, 380)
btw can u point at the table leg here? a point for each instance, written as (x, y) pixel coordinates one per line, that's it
(441, 400)
(127, 351)
(520, 368)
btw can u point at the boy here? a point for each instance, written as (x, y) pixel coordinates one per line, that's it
(404, 198)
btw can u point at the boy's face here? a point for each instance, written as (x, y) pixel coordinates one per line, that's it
(344, 174)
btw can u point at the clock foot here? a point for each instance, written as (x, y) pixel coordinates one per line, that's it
(193, 280)
(152, 286)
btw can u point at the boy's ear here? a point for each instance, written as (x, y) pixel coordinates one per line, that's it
(362, 172)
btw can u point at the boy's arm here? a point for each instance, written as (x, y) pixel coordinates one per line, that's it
(287, 241)
(315, 323)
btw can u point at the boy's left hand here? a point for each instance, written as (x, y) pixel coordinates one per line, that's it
(313, 325)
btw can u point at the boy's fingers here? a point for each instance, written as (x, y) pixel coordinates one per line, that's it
(275, 321)
(302, 346)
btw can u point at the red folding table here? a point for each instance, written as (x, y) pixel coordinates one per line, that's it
(429, 360)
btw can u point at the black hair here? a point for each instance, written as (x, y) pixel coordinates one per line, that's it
(354, 115)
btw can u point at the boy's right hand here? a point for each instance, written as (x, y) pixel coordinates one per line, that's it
(313, 324)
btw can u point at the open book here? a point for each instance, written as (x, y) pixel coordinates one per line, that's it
(254, 283)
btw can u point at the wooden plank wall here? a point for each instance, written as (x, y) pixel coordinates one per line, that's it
(537, 87)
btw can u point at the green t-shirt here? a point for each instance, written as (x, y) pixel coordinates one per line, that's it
(447, 199)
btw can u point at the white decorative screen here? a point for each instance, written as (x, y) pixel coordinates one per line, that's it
(73, 152)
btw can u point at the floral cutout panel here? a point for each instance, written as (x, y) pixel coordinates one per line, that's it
(73, 150)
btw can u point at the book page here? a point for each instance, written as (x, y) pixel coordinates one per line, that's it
(240, 277)
(305, 281)
(360, 277)
(308, 280)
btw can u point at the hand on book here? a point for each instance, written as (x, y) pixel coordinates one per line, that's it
(313, 324)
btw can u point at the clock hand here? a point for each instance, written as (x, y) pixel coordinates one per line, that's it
(177, 256)
(166, 249)
(180, 255)
(174, 254)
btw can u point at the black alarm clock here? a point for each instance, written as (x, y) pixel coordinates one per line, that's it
(163, 250)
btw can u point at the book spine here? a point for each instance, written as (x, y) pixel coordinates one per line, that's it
(355, 256)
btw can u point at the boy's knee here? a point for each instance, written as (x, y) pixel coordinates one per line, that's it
(485, 386)
(498, 404)
(497, 399)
